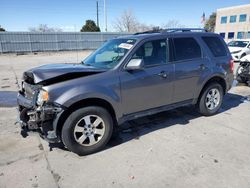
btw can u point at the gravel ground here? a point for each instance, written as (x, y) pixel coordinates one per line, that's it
(178, 148)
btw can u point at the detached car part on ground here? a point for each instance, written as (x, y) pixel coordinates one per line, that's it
(243, 71)
(128, 77)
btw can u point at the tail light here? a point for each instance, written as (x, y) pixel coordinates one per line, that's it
(231, 65)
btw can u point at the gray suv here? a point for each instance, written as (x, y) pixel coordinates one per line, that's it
(126, 78)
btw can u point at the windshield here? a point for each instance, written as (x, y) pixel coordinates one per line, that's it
(241, 44)
(110, 54)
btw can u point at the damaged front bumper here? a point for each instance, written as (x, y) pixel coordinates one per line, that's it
(42, 119)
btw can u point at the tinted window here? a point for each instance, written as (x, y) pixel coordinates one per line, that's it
(215, 45)
(230, 35)
(243, 17)
(186, 48)
(233, 19)
(223, 35)
(223, 20)
(152, 52)
(240, 35)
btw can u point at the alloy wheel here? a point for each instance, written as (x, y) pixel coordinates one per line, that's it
(89, 130)
(212, 99)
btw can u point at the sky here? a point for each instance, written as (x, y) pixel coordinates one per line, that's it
(20, 15)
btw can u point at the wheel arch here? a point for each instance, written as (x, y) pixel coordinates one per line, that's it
(214, 79)
(84, 103)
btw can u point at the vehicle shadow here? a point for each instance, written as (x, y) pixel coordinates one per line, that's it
(137, 128)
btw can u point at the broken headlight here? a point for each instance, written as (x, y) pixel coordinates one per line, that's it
(43, 96)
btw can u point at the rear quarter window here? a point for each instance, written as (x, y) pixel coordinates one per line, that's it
(215, 45)
(186, 48)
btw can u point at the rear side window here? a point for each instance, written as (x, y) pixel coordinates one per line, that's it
(215, 45)
(186, 48)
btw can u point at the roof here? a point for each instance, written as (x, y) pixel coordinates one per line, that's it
(234, 7)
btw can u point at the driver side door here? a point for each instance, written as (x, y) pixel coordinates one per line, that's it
(152, 86)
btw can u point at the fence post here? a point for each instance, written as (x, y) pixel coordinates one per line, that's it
(30, 43)
(57, 45)
(1, 48)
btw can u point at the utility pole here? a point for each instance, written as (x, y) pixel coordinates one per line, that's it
(97, 13)
(105, 15)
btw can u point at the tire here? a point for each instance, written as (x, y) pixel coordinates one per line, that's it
(204, 101)
(87, 130)
(239, 78)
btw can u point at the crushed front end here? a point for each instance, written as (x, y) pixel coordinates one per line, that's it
(36, 113)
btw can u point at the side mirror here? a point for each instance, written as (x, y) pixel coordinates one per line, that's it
(135, 64)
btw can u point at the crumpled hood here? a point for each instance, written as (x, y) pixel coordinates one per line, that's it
(234, 49)
(53, 73)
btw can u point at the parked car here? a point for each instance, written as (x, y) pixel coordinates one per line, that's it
(126, 78)
(239, 48)
(243, 70)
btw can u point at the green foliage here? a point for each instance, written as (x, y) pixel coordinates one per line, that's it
(210, 23)
(90, 26)
(1, 29)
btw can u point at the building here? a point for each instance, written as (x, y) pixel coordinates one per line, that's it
(233, 22)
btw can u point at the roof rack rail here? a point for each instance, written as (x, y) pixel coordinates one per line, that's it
(173, 30)
(150, 31)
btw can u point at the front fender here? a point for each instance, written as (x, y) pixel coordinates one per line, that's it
(76, 94)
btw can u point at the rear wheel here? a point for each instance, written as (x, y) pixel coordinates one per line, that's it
(211, 99)
(87, 130)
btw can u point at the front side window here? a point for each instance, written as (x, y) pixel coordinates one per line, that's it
(152, 52)
(110, 54)
(186, 48)
(243, 17)
(223, 20)
(233, 19)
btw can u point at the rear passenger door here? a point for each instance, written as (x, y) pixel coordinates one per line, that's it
(189, 65)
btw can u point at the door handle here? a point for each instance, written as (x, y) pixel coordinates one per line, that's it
(163, 74)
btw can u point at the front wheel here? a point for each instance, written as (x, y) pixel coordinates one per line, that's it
(211, 99)
(87, 130)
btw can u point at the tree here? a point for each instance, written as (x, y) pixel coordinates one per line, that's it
(210, 23)
(90, 26)
(1, 28)
(128, 22)
(44, 28)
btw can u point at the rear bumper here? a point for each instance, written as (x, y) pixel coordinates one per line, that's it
(41, 119)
